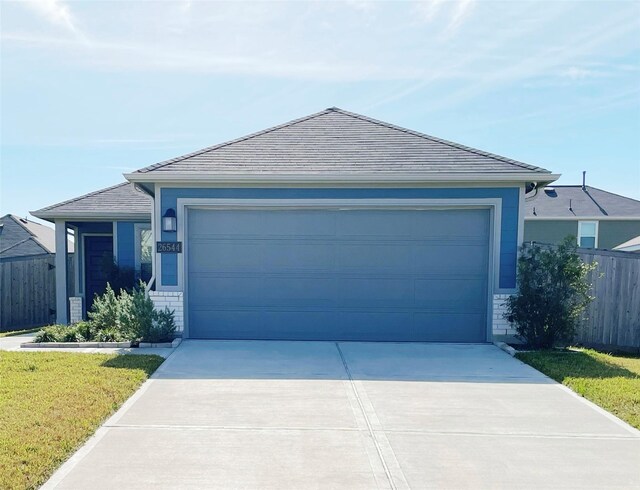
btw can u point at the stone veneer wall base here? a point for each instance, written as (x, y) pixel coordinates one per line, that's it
(75, 309)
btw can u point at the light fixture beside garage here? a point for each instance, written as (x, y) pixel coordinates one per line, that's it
(169, 221)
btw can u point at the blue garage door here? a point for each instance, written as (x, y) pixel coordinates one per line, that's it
(330, 274)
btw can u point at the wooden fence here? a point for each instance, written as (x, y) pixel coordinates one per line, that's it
(28, 292)
(612, 320)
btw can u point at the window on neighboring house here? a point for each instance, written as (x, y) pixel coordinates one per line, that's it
(588, 234)
(144, 250)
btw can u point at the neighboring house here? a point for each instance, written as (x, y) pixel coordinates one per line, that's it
(334, 226)
(27, 288)
(20, 237)
(632, 245)
(597, 218)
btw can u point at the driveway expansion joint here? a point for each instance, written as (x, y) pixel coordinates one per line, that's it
(372, 433)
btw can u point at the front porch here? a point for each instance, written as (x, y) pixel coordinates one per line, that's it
(118, 252)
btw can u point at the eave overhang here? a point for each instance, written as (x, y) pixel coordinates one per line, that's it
(339, 178)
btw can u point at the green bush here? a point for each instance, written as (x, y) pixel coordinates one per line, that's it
(553, 292)
(117, 318)
(163, 328)
(139, 314)
(112, 334)
(85, 329)
(105, 312)
(63, 333)
(52, 333)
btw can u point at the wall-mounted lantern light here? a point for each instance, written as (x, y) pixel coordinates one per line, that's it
(169, 221)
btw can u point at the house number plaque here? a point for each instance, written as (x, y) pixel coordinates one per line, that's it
(169, 247)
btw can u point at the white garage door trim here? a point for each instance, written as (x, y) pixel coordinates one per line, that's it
(493, 204)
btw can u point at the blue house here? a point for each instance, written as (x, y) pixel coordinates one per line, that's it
(334, 226)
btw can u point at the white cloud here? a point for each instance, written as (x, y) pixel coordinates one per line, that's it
(56, 12)
(577, 73)
(462, 10)
(428, 9)
(361, 5)
(457, 11)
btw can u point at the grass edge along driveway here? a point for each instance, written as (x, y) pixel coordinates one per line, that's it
(52, 402)
(608, 380)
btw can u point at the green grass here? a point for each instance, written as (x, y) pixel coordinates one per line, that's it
(611, 381)
(51, 402)
(11, 333)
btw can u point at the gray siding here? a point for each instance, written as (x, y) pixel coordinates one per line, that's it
(552, 232)
(610, 233)
(613, 233)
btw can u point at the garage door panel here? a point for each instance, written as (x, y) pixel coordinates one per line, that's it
(399, 275)
(297, 255)
(453, 224)
(258, 224)
(226, 290)
(453, 259)
(448, 326)
(375, 257)
(374, 224)
(457, 294)
(224, 255)
(381, 292)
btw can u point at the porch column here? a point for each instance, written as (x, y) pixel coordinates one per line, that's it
(62, 316)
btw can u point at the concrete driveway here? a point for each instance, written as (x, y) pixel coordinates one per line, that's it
(353, 415)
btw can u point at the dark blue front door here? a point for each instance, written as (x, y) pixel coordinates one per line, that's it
(97, 250)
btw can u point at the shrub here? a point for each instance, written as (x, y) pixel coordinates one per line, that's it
(111, 334)
(128, 316)
(52, 333)
(105, 312)
(62, 333)
(140, 314)
(85, 329)
(163, 327)
(552, 294)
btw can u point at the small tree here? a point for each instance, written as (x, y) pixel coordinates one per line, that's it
(552, 294)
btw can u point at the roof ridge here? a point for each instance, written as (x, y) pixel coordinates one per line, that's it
(18, 220)
(84, 196)
(579, 186)
(438, 140)
(235, 140)
(613, 193)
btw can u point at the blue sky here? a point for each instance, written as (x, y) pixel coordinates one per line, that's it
(94, 89)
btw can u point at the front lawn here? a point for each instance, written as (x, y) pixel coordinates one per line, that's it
(611, 381)
(51, 402)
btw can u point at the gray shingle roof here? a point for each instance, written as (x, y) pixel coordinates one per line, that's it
(20, 237)
(119, 200)
(337, 141)
(554, 202)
